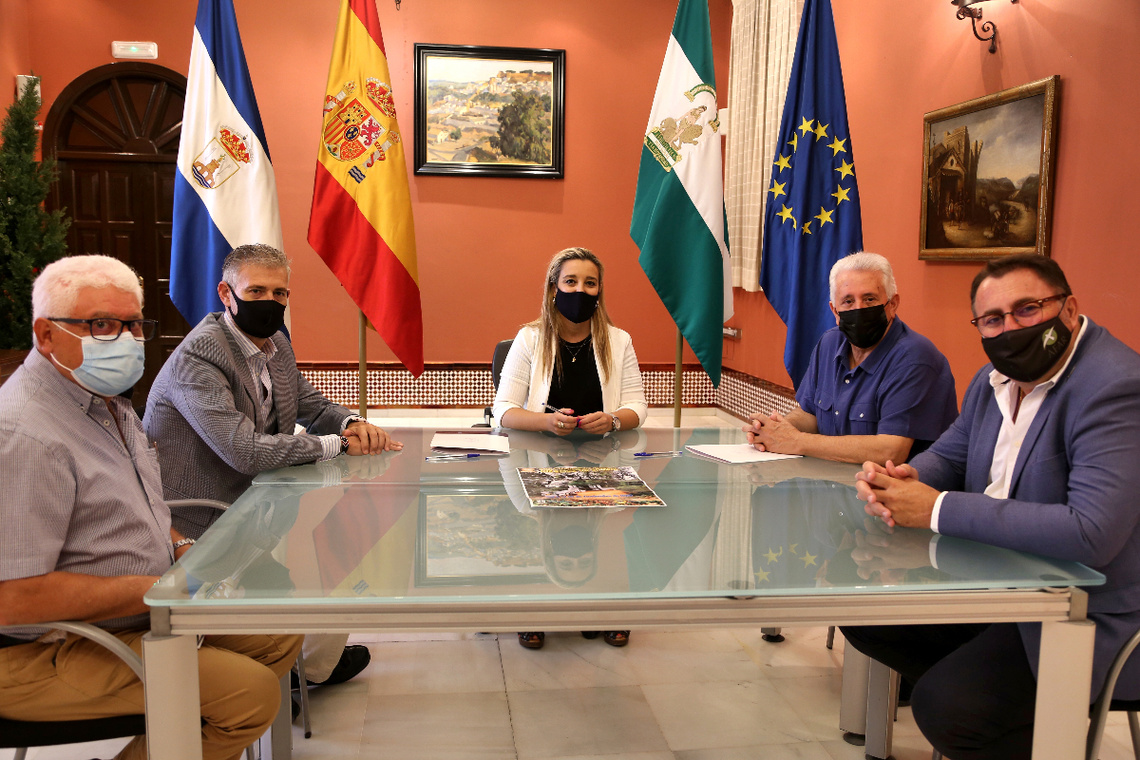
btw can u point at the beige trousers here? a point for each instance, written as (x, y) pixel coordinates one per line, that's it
(76, 679)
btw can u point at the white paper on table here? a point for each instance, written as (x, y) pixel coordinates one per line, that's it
(737, 453)
(499, 444)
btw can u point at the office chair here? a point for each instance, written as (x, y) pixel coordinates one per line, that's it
(1105, 702)
(21, 734)
(497, 360)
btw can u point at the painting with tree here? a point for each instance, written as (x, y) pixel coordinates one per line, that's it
(491, 111)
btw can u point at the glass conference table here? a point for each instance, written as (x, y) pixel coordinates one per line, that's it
(396, 543)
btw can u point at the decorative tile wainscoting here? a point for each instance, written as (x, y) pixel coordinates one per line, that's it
(469, 386)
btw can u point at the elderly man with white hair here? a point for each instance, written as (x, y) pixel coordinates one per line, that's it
(875, 390)
(84, 529)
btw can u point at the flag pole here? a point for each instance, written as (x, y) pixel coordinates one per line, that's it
(677, 382)
(362, 351)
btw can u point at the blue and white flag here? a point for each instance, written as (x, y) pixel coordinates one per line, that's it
(225, 194)
(812, 219)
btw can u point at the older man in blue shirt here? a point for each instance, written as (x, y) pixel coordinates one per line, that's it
(875, 390)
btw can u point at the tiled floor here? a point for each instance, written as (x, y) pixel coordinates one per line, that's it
(681, 695)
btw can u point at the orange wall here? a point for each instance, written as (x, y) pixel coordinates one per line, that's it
(15, 57)
(483, 242)
(901, 60)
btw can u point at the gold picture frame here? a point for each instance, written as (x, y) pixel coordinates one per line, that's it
(987, 175)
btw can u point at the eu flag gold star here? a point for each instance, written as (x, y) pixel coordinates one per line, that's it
(783, 163)
(824, 216)
(761, 576)
(777, 189)
(845, 169)
(806, 126)
(785, 213)
(808, 558)
(840, 195)
(837, 147)
(771, 556)
(820, 130)
(806, 231)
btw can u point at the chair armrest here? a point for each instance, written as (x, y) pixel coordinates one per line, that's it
(94, 633)
(184, 503)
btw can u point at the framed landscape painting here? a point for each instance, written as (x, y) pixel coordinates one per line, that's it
(491, 111)
(987, 175)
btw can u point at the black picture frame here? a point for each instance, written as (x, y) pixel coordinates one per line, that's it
(454, 116)
(974, 154)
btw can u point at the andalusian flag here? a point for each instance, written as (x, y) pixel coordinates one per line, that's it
(225, 194)
(813, 218)
(361, 221)
(678, 213)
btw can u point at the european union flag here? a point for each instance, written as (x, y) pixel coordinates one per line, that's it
(813, 218)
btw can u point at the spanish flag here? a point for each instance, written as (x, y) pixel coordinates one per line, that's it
(361, 220)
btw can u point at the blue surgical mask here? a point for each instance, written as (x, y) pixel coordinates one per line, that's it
(109, 367)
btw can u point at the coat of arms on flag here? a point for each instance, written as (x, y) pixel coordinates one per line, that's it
(352, 126)
(221, 158)
(666, 139)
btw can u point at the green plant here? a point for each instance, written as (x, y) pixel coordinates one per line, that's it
(30, 237)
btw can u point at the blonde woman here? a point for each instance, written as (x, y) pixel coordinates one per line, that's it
(571, 370)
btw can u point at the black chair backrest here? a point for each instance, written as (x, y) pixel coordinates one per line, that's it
(498, 359)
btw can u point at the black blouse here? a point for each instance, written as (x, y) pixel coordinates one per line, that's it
(580, 388)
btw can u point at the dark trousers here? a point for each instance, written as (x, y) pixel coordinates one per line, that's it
(974, 692)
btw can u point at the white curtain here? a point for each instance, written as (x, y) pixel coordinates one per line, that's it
(760, 63)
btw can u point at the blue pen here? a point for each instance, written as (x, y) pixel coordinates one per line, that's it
(442, 457)
(658, 453)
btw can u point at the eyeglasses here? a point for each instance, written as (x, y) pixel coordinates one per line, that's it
(106, 328)
(1025, 315)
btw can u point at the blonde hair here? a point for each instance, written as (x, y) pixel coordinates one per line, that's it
(56, 289)
(549, 319)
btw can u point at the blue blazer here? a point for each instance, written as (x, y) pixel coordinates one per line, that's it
(1075, 492)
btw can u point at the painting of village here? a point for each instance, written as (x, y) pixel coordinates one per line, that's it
(475, 539)
(488, 112)
(984, 168)
(586, 487)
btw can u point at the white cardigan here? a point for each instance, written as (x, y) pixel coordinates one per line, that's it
(521, 387)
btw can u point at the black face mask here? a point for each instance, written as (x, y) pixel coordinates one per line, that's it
(864, 327)
(577, 306)
(1027, 354)
(261, 319)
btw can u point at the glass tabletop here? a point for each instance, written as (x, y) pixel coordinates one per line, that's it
(531, 449)
(395, 529)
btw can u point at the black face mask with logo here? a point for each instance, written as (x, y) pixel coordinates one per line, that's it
(1027, 354)
(864, 327)
(261, 319)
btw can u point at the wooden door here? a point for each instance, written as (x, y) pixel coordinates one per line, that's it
(114, 132)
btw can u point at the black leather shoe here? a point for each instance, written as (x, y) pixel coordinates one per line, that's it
(353, 659)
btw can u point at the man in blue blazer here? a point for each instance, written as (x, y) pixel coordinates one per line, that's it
(1044, 459)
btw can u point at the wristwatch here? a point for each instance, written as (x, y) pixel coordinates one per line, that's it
(343, 444)
(183, 542)
(617, 423)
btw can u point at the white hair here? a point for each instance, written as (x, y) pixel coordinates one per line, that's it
(57, 287)
(864, 261)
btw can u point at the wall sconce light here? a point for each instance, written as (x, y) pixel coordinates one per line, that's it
(975, 15)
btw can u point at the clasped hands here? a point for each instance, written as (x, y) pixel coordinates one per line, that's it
(365, 438)
(771, 432)
(563, 422)
(895, 495)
